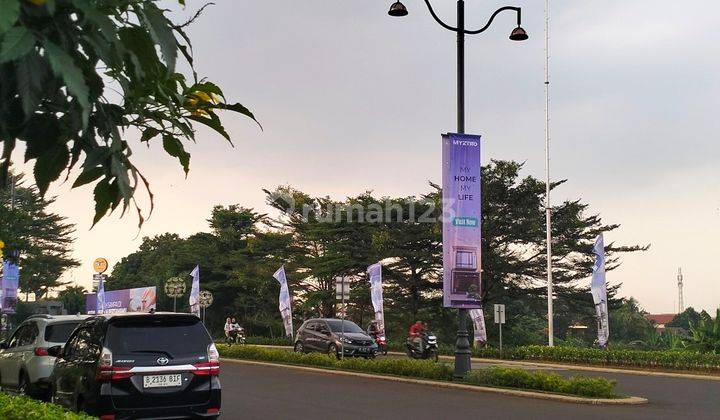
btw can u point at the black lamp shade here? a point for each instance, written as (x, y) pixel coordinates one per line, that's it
(518, 34)
(398, 9)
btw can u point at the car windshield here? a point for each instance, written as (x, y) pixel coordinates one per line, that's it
(336, 325)
(59, 333)
(173, 337)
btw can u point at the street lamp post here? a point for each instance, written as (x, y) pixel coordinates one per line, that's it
(398, 9)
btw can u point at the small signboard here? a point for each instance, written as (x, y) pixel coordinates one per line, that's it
(342, 288)
(499, 313)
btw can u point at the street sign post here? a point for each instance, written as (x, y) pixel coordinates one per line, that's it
(500, 319)
(342, 293)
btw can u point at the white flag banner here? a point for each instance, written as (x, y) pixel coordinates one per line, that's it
(376, 294)
(598, 288)
(100, 308)
(284, 301)
(195, 291)
(478, 319)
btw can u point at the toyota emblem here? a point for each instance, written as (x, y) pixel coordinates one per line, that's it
(162, 361)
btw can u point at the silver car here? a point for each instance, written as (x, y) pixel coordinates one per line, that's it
(25, 365)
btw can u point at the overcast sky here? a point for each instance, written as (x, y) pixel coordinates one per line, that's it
(353, 100)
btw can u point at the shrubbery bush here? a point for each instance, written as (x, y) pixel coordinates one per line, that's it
(543, 381)
(25, 408)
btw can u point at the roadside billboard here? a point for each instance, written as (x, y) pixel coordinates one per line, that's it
(141, 299)
(461, 220)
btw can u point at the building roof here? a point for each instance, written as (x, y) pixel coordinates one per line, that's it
(660, 319)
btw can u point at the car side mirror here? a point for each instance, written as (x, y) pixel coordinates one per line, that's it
(55, 351)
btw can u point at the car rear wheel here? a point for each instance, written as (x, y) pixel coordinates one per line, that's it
(333, 351)
(299, 347)
(23, 384)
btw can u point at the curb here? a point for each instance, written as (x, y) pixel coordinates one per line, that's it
(451, 385)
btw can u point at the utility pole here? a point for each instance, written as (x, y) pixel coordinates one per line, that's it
(548, 209)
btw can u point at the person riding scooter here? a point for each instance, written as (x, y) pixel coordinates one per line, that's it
(415, 334)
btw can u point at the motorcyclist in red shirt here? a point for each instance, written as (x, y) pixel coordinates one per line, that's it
(416, 332)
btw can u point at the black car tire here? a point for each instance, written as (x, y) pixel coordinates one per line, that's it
(299, 348)
(24, 384)
(333, 350)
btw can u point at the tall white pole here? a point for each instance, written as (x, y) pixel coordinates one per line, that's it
(548, 215)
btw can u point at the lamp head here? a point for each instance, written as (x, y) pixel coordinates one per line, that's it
(518, 34)
(398, 9)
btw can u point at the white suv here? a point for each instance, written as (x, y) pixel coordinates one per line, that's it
(25, 365)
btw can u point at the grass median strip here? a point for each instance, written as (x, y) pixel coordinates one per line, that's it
(495, 376)
(25, 408)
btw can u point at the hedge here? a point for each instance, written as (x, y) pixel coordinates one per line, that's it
(25, 408)
(543, 381)
(675, 360)
(426, 369)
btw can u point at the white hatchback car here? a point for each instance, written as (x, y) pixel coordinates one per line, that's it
(25, 365)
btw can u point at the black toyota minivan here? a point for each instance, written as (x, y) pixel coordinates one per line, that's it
(138, 365)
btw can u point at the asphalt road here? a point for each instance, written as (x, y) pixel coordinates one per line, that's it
(263, 392)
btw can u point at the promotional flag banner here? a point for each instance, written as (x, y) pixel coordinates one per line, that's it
(598, 288)
(9, 287)
(100, 305)
(461, 220)
(284, 301)
(478, 319)
(376, 294)
(195, 291)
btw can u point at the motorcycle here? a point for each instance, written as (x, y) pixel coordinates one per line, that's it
(236, 337)
(381, 342)
(428, 348)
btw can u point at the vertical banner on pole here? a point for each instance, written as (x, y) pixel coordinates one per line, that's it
(461, 221)
(9, 287)
(195, 292)
(100, 306)
(284, 301)
(598, 288)
(376, 294)
(478, 319)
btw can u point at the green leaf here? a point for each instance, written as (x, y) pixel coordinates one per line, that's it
(17, 42)
(143, 56)
(64, 67)
(174, 147)
(32, 72)
(9, 14)
(103, 200)
(87, 176)
(212, 122)
(118, 168)
(98, 18)
(240, 109)
(161, 32)
(50, 165)
(149, 133)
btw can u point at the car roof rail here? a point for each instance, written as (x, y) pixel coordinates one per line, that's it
(42, 316)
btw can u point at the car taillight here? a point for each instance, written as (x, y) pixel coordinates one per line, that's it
(106, 371)
(213, 411)
(107, 417)
(41, 351)
(212, 366)
(207, 369)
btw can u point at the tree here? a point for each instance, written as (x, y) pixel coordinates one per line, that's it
(73, 298)
(41, 239)
(63, 63)
(628, 323)
(685, 319)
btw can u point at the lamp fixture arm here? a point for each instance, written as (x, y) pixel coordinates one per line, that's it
(489, 22)
(437, 19)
